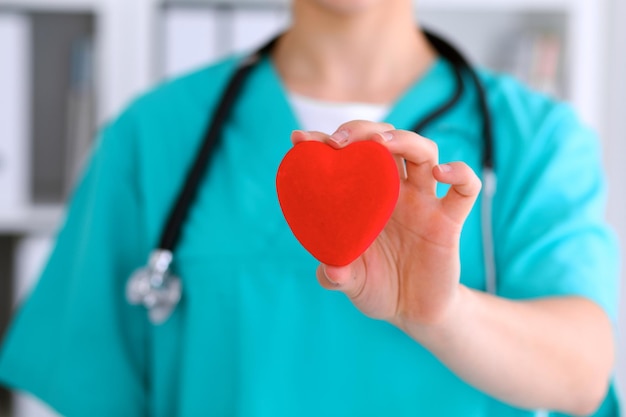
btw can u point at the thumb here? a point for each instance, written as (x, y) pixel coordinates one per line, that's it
(346, 279)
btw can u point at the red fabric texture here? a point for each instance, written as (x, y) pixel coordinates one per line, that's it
(337, 201)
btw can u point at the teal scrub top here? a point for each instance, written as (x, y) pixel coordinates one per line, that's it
(254, 334)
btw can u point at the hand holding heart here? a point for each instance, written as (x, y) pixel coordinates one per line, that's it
(410, 273)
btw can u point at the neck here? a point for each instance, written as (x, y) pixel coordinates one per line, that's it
(370, 55)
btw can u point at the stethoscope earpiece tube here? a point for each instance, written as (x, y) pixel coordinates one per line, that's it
(459, 62)
(489, 179)
(176, 219)
(439, 45)
(486, 210)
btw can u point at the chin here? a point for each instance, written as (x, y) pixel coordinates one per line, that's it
(346, 6)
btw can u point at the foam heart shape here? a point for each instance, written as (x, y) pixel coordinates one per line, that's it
(337, 201)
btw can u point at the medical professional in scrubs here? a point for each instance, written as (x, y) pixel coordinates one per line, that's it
(262, 329)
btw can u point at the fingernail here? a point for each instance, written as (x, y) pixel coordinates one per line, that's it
(445, 168)
(336, 284)
(340, 136)
(387, 136)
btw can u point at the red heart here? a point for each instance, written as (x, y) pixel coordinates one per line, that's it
(337, 201)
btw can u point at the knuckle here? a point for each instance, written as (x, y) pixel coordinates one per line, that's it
(345, 125)
(474, 181)
(468, 177)
(477, 184)
(431, 145)
(428, 146)
(352, 125)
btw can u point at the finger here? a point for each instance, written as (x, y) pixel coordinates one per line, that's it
(465, 186)
(420, 155)
(401, 164)
(357, 130)
(346, 279)
(298, 136)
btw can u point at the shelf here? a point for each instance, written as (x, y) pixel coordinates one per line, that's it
(51, 6)
(501, 6)
(39, 219)
(48, 103)
(224, 3)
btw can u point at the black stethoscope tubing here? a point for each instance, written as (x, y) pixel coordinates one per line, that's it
(171, 232)
(158, 290)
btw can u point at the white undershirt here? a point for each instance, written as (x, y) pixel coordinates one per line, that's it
(326, 116)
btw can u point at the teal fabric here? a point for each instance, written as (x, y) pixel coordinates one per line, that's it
(254, 334)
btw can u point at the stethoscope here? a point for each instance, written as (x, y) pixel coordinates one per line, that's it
(159, 290)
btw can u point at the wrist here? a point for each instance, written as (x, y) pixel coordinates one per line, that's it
(449, 322)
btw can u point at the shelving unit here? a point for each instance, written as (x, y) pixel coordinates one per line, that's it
(133, 47)
(583, 37)
(39, 219)
(51, 106)
(51, 6)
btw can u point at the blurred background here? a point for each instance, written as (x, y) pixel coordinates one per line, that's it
(68, 66)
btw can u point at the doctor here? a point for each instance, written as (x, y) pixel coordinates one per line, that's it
(405, 330)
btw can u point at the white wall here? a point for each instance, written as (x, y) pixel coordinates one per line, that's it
(615, 153)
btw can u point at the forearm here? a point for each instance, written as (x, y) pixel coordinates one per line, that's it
(554, 353)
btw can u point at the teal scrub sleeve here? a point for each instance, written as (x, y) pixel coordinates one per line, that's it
(76, 343)
(551, 236)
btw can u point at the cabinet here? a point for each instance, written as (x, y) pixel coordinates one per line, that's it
(108, 51)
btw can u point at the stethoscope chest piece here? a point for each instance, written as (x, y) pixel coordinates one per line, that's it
(155, 287)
